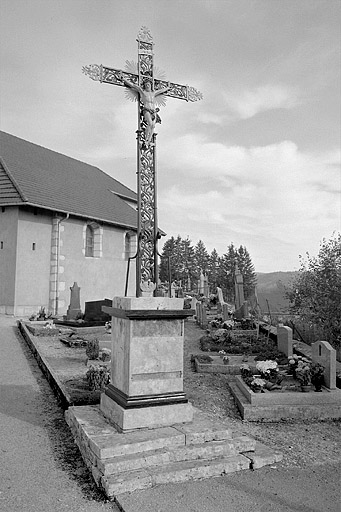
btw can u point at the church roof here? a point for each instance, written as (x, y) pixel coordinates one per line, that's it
(36, 176)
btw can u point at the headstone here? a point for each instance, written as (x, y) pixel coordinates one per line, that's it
(203, 316)
(242, 312)
(201, 287)
(194, 303)
(93, 311)
(74, 309)
(180, 293)
(225, 311)
(206, 287)
(284, 340)
(322, 352)
(220, 296)
(198, 310)
(173, 288)
(239, 289)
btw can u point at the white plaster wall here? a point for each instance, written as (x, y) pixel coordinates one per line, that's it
(33, 266)
(8, 237)
(98, 277)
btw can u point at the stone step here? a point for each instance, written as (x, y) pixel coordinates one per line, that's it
(207, 450)
(172, 473)
(105, 442)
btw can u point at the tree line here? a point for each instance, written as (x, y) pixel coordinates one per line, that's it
(188, 261)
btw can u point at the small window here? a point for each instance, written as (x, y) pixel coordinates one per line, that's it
(33, 246)
(3, 209)
(1, 245)
(89, 242)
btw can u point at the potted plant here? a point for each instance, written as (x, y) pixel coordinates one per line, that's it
(317, 375)
(303, 375)
(245, 371)
(226, 360)
(257, 384)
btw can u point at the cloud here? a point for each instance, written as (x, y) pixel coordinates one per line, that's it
(263, 98)
(251, 196)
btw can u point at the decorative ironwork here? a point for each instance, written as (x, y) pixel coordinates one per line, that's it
(144, 35)
(194, 95)
(136, 74)
(94, 71)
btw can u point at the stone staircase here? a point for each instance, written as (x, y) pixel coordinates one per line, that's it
(125, 462)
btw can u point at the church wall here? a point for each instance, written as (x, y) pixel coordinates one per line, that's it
(99, 277)
(28, 258)
(33, 261)
(8, 240)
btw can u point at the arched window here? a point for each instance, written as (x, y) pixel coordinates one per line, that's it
(89, 241)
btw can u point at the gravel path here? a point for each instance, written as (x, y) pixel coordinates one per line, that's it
(41, 469)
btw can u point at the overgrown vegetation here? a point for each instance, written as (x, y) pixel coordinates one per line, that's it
(315, 293)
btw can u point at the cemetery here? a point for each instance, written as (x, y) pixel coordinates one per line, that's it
(122, 368)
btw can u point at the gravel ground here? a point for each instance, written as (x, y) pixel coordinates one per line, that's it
(303, 443)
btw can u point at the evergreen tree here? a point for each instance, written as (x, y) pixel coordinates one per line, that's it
(227, 271)
(213, 271)
(167, 252)
(188, 271)
(247, 270)
(201, 257)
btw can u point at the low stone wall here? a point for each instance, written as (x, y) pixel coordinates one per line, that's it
(274, 406)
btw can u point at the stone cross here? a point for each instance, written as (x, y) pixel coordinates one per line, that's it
(150, 92)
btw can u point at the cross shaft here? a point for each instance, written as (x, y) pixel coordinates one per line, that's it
(147, 225)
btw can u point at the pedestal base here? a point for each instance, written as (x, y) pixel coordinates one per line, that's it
(145, 417)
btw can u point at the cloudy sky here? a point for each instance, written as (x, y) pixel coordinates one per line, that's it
(255, 163)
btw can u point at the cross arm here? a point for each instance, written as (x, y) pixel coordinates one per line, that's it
(181, 92)
(106, 75)
(112, 76)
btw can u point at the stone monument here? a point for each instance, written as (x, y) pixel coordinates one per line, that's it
(146, 388)
(74, 308)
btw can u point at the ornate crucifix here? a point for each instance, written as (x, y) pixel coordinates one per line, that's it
(144, 87)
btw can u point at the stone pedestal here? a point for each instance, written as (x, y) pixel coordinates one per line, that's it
(146, 388)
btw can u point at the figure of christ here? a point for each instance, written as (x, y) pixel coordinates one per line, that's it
(147, 98)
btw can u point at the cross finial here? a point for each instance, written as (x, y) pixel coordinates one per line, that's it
(145, 35)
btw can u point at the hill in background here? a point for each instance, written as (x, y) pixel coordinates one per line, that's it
(271, 287)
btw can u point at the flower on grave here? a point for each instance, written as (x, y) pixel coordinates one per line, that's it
(226, 360)
(257, 384)
(303, 372)
(222, 352)
(268, 369)
(245, 372)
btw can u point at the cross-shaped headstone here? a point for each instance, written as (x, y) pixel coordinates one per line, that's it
(149, 93)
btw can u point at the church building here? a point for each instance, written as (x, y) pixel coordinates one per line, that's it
(61, 221)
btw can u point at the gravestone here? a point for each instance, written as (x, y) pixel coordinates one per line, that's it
(93, 311)
(322, 352)
(225, 311)
(74, 309)
(284, 340)
(239, 289)
(194, 303)
(220, 296)
(206, 287)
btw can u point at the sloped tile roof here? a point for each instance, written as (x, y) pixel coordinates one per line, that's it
(38, 176)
